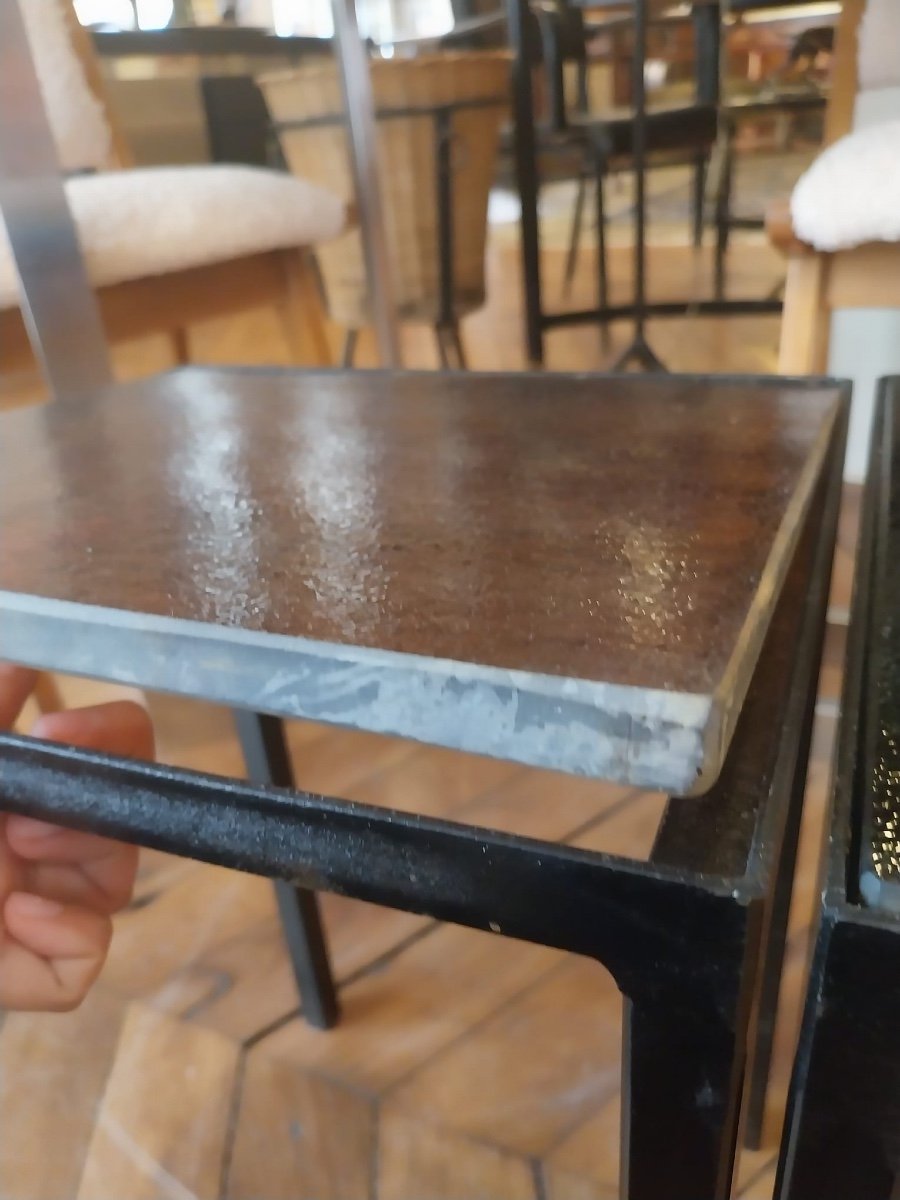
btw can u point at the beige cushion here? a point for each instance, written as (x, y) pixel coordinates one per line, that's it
(76, 116)
(851, 193)
(155, 220)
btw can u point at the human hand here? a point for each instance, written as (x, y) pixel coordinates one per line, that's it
(59, 888)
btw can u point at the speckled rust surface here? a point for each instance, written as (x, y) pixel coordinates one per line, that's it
(627, 532)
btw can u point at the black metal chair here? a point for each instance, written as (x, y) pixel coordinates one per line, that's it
(615, 141)
(842, 1132)
(681, 135)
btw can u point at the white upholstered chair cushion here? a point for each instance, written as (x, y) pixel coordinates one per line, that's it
(155, 220)
(76, 116)
(851, 193)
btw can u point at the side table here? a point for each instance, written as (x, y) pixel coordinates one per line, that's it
(617, 576)
(842, 1133)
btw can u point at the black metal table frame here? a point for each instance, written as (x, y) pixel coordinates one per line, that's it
(842, 1130)
(694, 938)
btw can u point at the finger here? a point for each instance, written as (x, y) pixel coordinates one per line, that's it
(72, 867)
(53, 953)
(118, 727)
(16, 685)
(75, 868)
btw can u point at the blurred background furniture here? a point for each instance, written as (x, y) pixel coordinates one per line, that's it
(775, 80)
(676, 133)
(438, 120)
(662, 131)
(842, 302)
(168, 247)
(712, 59)
(186, 95)
(623, 136)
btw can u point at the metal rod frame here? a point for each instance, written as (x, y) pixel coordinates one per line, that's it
(360, 109)
(682, 934)
(59, 307)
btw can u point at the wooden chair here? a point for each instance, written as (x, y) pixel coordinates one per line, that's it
(168, 247)
(820, 281)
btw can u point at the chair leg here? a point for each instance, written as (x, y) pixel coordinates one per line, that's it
(451, 353)
(348, 350)
(602, 257)
(723, 212)
(180, 341)
(575, 234)
(47, 695)
(805, 320)
(698, 198)
(456, 338)
(302, 313)
(440, 342)
(267, 760)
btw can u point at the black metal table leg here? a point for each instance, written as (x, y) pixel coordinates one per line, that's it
(774, 940)
(682, 1081)
(841, 1132)
(842, 1129)
(774, 937)
(267, 761)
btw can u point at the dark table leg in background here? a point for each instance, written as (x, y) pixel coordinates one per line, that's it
(602, 258)
(526, 176)
(707, 21)
(267, 760)
(723, 210)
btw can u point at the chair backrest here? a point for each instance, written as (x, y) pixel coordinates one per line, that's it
(420, 158)
(865, 84)
(878, 96)
(879, 45)
(85, 132)
(59, 308)
(844, 72)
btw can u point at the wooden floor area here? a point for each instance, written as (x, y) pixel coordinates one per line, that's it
(467, 1066)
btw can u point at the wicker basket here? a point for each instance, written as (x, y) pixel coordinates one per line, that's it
(471, 90)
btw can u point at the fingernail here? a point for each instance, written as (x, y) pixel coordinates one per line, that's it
(35, 906)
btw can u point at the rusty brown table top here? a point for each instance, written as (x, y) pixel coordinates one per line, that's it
(569, 571)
